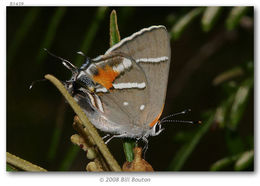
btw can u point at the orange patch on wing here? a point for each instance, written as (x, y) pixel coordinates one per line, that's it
(106, 76)
(156, 119)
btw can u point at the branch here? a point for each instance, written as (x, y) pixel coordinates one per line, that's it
(22, 164)
(85, 141)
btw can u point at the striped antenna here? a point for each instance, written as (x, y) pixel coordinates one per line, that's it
(165, 119)
(65, 62)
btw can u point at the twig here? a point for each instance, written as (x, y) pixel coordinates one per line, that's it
(91, 129)
(89, 143)
(23, 164)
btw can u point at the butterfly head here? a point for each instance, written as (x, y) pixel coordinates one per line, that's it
(156, 129)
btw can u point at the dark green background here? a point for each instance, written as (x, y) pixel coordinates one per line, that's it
(33, 115)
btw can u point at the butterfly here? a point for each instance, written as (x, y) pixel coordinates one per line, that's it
(123, 91)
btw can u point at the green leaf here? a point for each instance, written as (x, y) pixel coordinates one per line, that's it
(234, 16)
(10, 168)
(227, 75)
(240, 102)
(210, 16)
(220, 116)
(114, 32)
(128, 145)
(184, 21)
(223, 163)
(185, 151)
(244, 161)
(222, 112)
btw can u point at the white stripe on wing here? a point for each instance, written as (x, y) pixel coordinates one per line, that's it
(152, 60)
(129, 85)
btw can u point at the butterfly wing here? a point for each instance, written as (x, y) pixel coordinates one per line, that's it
(150, 48)
(122, 84)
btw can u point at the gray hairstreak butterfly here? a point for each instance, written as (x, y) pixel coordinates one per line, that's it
(123, 91)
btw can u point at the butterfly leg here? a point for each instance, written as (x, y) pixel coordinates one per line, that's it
(104, 137)
(145, 140)
(116, 136)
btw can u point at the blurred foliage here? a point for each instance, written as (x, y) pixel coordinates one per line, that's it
(241, 161)
(21, 33)
(232, 107)
(182, 23)
(51, 31)
(225, 103)
(235, 16)
(10, 168)
(210, 17)
(187, 147)
(91, 32)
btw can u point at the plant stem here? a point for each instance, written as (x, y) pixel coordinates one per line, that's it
(22, 164)
(98, 159)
